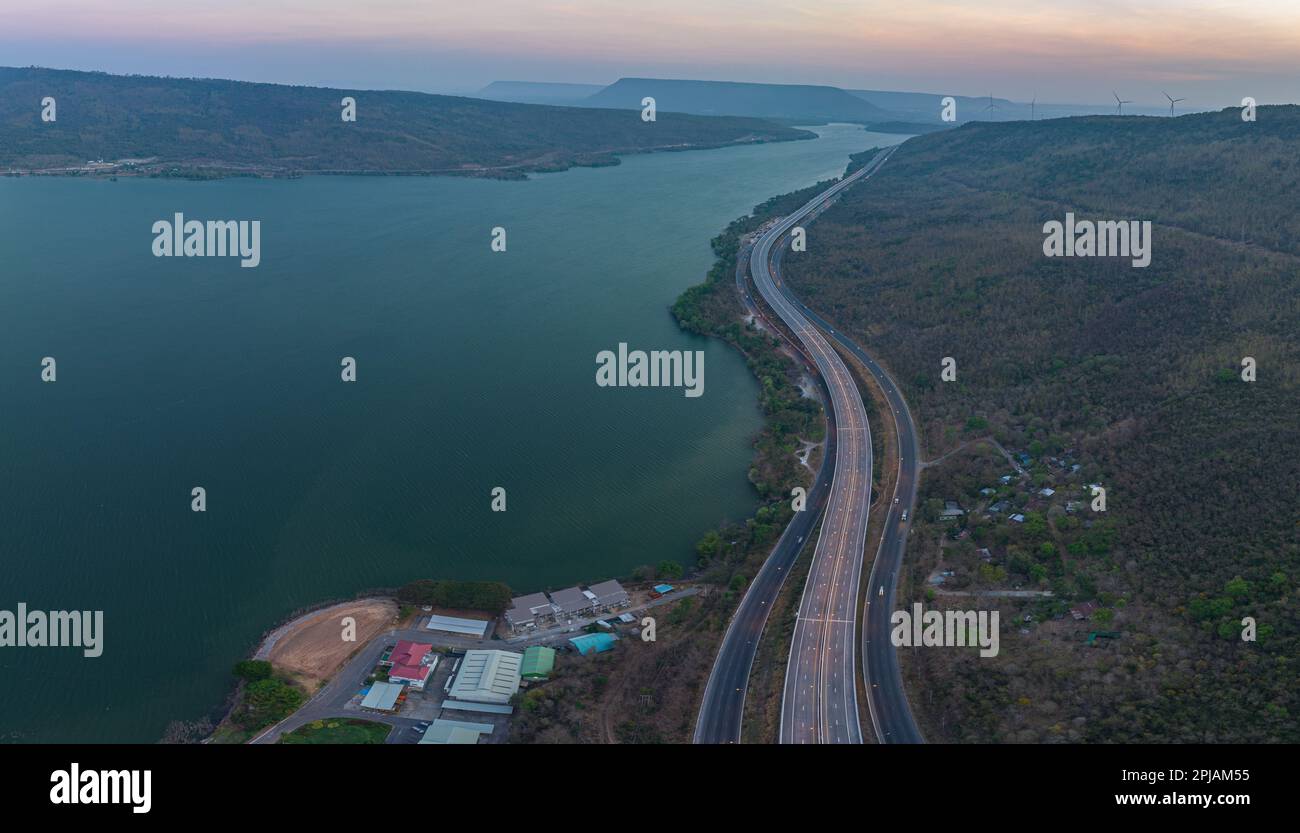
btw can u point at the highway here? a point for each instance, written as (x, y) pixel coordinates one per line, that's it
(820, 701)
(891, 715)
(819, 704)
(723, 708)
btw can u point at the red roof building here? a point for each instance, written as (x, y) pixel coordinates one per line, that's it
(412, 663)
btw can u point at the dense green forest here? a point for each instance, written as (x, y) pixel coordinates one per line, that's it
(1134, 375)
(211, 126)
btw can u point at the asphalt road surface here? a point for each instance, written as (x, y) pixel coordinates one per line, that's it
(891, 716)
(820, 703)
(820, 698)
(723, 708)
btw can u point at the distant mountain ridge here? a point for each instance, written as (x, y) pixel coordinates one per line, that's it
(889, 110)
(539, 92)
(215, 127)
(790, 102)
(928, 107)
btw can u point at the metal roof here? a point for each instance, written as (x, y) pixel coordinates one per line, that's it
(538, 661)
(570, 600)
(455, 731)
(593, 643)
(609, 592)
(484, 708)
(533, 602)
(526, 608)
(382, 696)
(453, 624)
(487, 676)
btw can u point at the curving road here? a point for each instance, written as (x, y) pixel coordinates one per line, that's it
(891, 715)
(723, 709)
(820, 701)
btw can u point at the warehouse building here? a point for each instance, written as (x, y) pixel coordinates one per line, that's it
(487, 677)
(455, 731)
(455, 624)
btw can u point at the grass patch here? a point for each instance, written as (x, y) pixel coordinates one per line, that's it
(339, 731)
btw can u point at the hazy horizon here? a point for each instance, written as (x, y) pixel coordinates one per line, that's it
(1210, 53)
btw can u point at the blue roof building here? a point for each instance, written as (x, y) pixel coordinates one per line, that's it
(593, 643)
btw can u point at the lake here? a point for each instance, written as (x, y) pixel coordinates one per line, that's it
(475, 369)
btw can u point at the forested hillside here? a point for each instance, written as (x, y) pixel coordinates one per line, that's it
(1093, 371)
(213, 126)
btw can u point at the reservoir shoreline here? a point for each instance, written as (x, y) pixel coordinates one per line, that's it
(711, 308)
(195, 373)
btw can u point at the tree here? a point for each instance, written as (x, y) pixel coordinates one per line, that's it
(489, 596)
(1035, 526)
(670, 570)
(266, 702)
(707, 548)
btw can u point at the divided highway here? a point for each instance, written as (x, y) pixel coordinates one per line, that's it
(891, 715)
(819, 704)
(820, 698)
(723, 709)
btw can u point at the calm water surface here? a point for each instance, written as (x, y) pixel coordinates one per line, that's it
(475, 369)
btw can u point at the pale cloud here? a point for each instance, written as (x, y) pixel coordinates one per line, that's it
(1069, 47)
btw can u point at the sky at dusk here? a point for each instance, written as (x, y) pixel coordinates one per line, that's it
(1211, 53)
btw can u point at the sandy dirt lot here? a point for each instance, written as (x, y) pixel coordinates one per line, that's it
(311, 649)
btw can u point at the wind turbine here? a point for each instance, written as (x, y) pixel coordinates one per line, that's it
(1120, 102)
(1172, 101)
(1031, 106)
(991, 105)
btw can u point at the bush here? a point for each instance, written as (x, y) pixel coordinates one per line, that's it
(670, 570)
(252, 670)
(266, 702)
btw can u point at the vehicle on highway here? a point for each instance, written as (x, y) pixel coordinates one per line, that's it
(904, 514)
